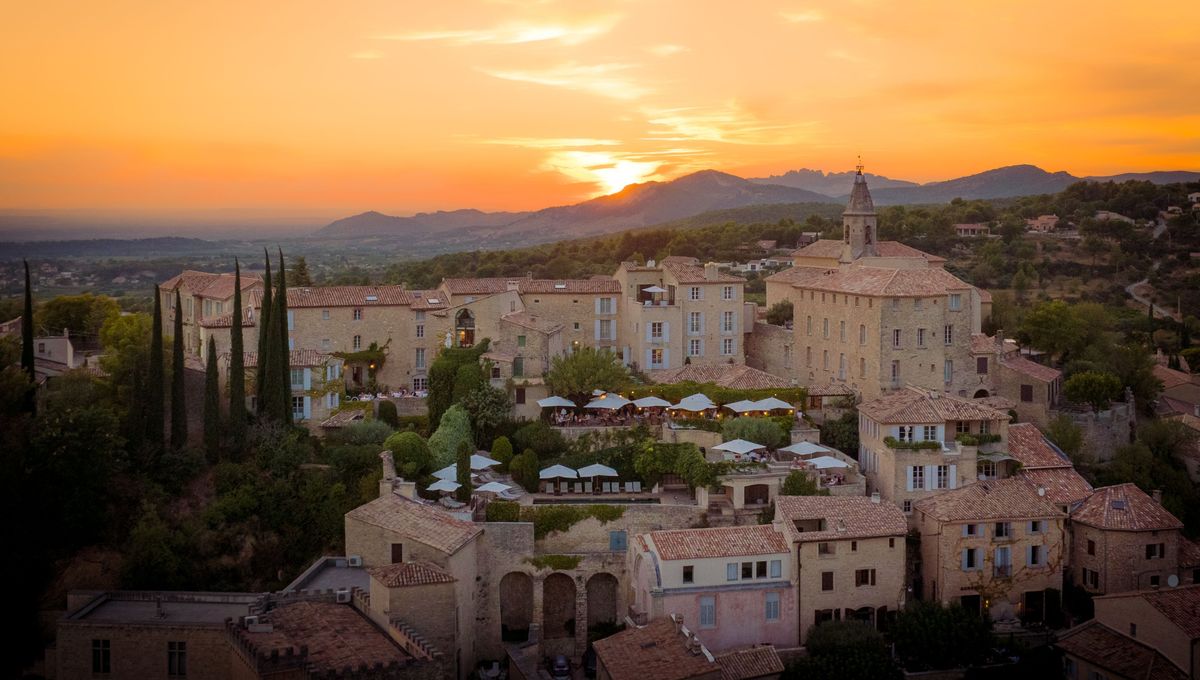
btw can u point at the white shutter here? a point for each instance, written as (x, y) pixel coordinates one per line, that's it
(909, 470)
(953, 476)
(701, 347)
(647, 365)
(666, 358)
(291, 320)
(291, 344)
(597, 306)
(597, 325)
(930, 476)
(666, 332)
(307, 407)
(308, 378)
(649, 325)
(963, 560)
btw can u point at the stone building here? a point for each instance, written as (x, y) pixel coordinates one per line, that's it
(1001, 371)
(874, 315)
(1122, 540)
(203, 296)
(995, 546)
(915, 443)
(1037, 460)
(733, 584)
(850, 556)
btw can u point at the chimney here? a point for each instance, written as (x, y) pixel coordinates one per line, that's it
(389, 473)
(875, 497)
(678, 619)
(710, 271)
(1000, 341)
(1157, 496)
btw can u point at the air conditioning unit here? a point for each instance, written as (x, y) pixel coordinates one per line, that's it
(250, 621)
(343, 596)
(355, 561)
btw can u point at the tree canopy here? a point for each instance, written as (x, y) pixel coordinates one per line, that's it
(578, 374)
(454, 429)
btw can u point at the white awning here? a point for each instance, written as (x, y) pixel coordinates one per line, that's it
(597, 470)
(772, 404)
(558, 472)
(650, 402)
(738, 446)
(806, 449)
(695, 402)
(444, 485)
(493, 487)
(448, 472)
(556, 402)
(742, 406)
(609, 401)
(479, 462)
(826, 462)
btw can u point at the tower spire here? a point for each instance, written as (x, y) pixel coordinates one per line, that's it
(859, 167)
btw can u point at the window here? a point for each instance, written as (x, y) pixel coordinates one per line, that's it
(618, 541)
(727, 322)
(325, 315)
(948, 371)
(810, 325)
(760, 569)
(1035, 556)
(656, 358)
(906, 506)
(574, 326)
(298, 408)
(1155, 551)
(694, 347)
(1091, 578)
(519, 395)
(842, 330)
(606, 329)
(520, 341)
(1069, 668)
(1037, 526)
(297, 377)
(895, 370)
(970, 530)
(955, 302)
(731, 571)
(987, 469)
(943, 477)
(1133, 630)
(970, 559)
(862, 367)
(825, 548)
(917, 303)
(929, 433)
(827, 581)
(825, 327)
(897, 337)
(905, 433)
(985, 426)
(918, 475)
(101, 656)
(981, 365)
(891, 543)
(694, 324)
(656, 330)
(864, 577)
(695, 293)
(420, 384)
(862, 334)
(177, 659)
(1003, 562)
(841, 367)
(606, 305)
(896, 303)
(421, 314)
(808, 356)
(358, 313)
(825, 359)
(1091, 547)
(747, 570)
(708, 612)
(920, 337)
(726, 346)
(358, 342)
(326, 343)
(495, 372)
(727, 293)
(772, 607)
(776, 568)
(1154, 582)
(689, 574)
(1003, 530)
(419, 360)
(420, 330)
(948, 334)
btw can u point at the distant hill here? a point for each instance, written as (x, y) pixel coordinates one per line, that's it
(637, 205)
(831, 184)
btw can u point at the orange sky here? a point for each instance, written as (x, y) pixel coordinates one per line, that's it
(395, 105)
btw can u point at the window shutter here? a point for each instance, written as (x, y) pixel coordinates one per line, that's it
(597, 306)
(307, 407)
(649, 325)
(910, 478)
(291, 320)
(597, 324)
(701, 322)
(647, 366)
(930, 476)
(291, 344)
(701, 346)
(1029, 555)
(953, 476)
(308, 378)
(964, 532)
(666, 332)
(666, 358)
(963, 560)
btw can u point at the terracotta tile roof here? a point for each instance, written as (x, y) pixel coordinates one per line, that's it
(532, 321)
(985, 296)
(1105, 648)
(337, 636)
(862, 278)
(343, 418)
(749, 663)
(981, 343)
(1180, 605)
(689, 270)
(404, 574)
(428, 299)
(845, 517)
(833, 389)
(226, 320)
(1189, 553)
(299, 358)
(1032, 369)
(348, 296)
(1027, 444)
(491, 286)
(1124, 507)
(1012, 498)
(425, 523)
(691, 544)
(740, 377)
(997, 402)
(913, 405)
(656, 650)
(1064, 486)
(832, 248)
(207, 284)
(1171, 377)
(823, 248)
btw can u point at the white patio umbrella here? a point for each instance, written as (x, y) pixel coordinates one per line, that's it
(493, 487)
(448, 472)
(738, 446)
(610, 402)
(650, 402)
(480, 462)
(444, 485)
(654, 289)
(597, 470)
(826, 462)
(772, 404)
(558, 472)
(742, 406)
(556, 402)
(695, 402)
(806, 449)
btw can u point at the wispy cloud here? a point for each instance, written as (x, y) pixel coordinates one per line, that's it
(667, 50)
(729, 124)
(600, 79)
(517, 32)
(609, 171)
(367, 54)
(803, 16)
(551, 142)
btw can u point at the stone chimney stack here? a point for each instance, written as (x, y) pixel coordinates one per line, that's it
(1000, 341)
(710, 271)
(389, 474)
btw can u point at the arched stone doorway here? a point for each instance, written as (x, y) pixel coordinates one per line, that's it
(558, 606)
(601, 600)
(516, 606)
(464, 328)
(980, 394)
(757, 494)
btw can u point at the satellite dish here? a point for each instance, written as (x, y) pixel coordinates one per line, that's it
(1173, 581)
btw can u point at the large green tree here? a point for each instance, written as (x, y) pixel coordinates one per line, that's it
(929, 635)
(212, 404)
(1096, 388)
(411, 454)
(179, 412)
(77, 314)
(155, 384)
(758, 430)
(237, 365)
(299, 273)
(126, 340)
(798, 483)
(576, 375)
(443, 373)
(454, 429)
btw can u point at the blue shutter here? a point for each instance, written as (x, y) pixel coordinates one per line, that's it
(666, 331)
(731, 571)
(597, 305)
(307, 407)
(618, 541)
(953, 476)
(308, 379)
(964, 560)
(648, 365)
(666, 358)
(597, 324)
(291, 320)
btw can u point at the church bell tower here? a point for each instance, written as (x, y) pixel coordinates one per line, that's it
(859, 221)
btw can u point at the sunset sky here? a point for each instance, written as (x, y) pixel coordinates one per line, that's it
(317, 108)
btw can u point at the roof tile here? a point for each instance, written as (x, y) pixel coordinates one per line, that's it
(914, 405)
(1012, 498)
(845, 516)
(1124, 507)
(404, 574)
(690, 544)
(1102, 646)
(425, 523)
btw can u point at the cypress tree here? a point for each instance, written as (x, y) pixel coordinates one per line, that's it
(237, 365)
(27, 361)
(264, 324)
(155, 400)
(178, 398)
(212, 404)
(282, 362)
(268, 389)
(462, 466)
